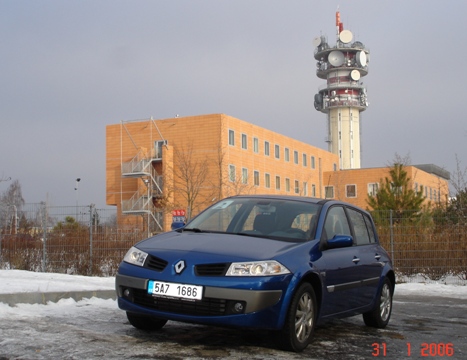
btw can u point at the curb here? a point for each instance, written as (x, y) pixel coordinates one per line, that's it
(44, 298)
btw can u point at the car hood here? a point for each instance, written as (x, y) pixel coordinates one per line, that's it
(219, 247)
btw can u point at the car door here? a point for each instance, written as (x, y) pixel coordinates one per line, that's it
(342, 276)
(370, 267)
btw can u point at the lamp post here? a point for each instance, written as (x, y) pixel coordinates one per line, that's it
(76, 189)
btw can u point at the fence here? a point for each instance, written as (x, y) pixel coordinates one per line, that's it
(85, 240)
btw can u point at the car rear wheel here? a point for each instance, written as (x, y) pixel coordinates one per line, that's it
(144, 322)
(380, 315)
(300, 321)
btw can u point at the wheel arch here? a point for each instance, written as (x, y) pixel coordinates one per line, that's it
(314, 280)
(392, 277)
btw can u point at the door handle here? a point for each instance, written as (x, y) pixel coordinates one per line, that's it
(356, 260)
(377, 256)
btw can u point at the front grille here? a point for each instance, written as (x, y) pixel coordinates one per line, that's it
(205, 307)
(155, 263)
(211, 269)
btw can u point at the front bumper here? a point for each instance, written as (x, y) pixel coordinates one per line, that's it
(219, 306)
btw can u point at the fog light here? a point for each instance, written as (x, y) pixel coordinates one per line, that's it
(126, 293)
(238, 307)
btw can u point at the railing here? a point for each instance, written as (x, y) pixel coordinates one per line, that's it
(136, 165)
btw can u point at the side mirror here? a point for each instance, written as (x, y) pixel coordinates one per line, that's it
(339, 241)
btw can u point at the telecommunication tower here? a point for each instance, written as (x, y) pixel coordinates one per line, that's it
(344, 96)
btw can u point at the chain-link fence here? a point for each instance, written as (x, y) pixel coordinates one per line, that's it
(423, 247)
(85, 240)
(76, 240)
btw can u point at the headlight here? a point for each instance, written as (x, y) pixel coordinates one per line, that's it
(257, 268)
(135, 256)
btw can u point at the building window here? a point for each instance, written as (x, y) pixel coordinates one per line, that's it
(304, 160)
(278, 182)
(297, 187)
(232, 174)
(372, 189)
(244, 142)
(267, 180)
(266, 148)
(313, 190)
(287, 154)
(231, 137)
(277, 153)
(334, 167)
(313, 165)
(305, 188)
(255, 145)
(295, 157)
(287, 184)
(244, 176)
(256, 177)
(351, 191)
(329, 192)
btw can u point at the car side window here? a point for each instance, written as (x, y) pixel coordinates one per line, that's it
(362, 236)
(371, 230)
(336, 223)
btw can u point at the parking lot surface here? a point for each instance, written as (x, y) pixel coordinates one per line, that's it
(420, 327)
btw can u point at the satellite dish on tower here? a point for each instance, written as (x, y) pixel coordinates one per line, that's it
(345, 36)
(361, 58)
(336, 58)
(317, 41)
(355, 75)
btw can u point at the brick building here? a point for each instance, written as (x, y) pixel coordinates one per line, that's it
(156, 166)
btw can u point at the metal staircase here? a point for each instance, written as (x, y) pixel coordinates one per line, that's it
(149, 188)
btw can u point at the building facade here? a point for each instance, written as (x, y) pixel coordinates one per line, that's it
(355, 185)
(156, 166)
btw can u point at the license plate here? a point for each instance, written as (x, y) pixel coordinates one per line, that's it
(181, 291)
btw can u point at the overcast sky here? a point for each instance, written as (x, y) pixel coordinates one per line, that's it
(69, 68)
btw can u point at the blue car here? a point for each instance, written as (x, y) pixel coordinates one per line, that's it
(279, 263)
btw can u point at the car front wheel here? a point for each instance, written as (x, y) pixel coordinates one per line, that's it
(379, 316)
(300, 321)
(144, 322)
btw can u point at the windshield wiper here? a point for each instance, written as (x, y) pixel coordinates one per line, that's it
(249, 234)
(194, 230)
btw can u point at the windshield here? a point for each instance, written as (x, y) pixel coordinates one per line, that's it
(275, 218)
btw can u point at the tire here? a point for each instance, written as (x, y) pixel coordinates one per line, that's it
(380, 315)
(144, 322)
(300, 321)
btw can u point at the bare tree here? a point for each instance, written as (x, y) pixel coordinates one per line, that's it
(3, 178)
(190, 174)
(11, 201)
(458, 181)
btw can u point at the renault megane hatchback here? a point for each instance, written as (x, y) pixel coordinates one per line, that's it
(263, 262)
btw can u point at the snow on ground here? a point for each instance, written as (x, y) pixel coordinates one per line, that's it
(20, 281)
(17, 281)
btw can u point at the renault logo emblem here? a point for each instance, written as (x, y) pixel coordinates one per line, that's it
(180, 266)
